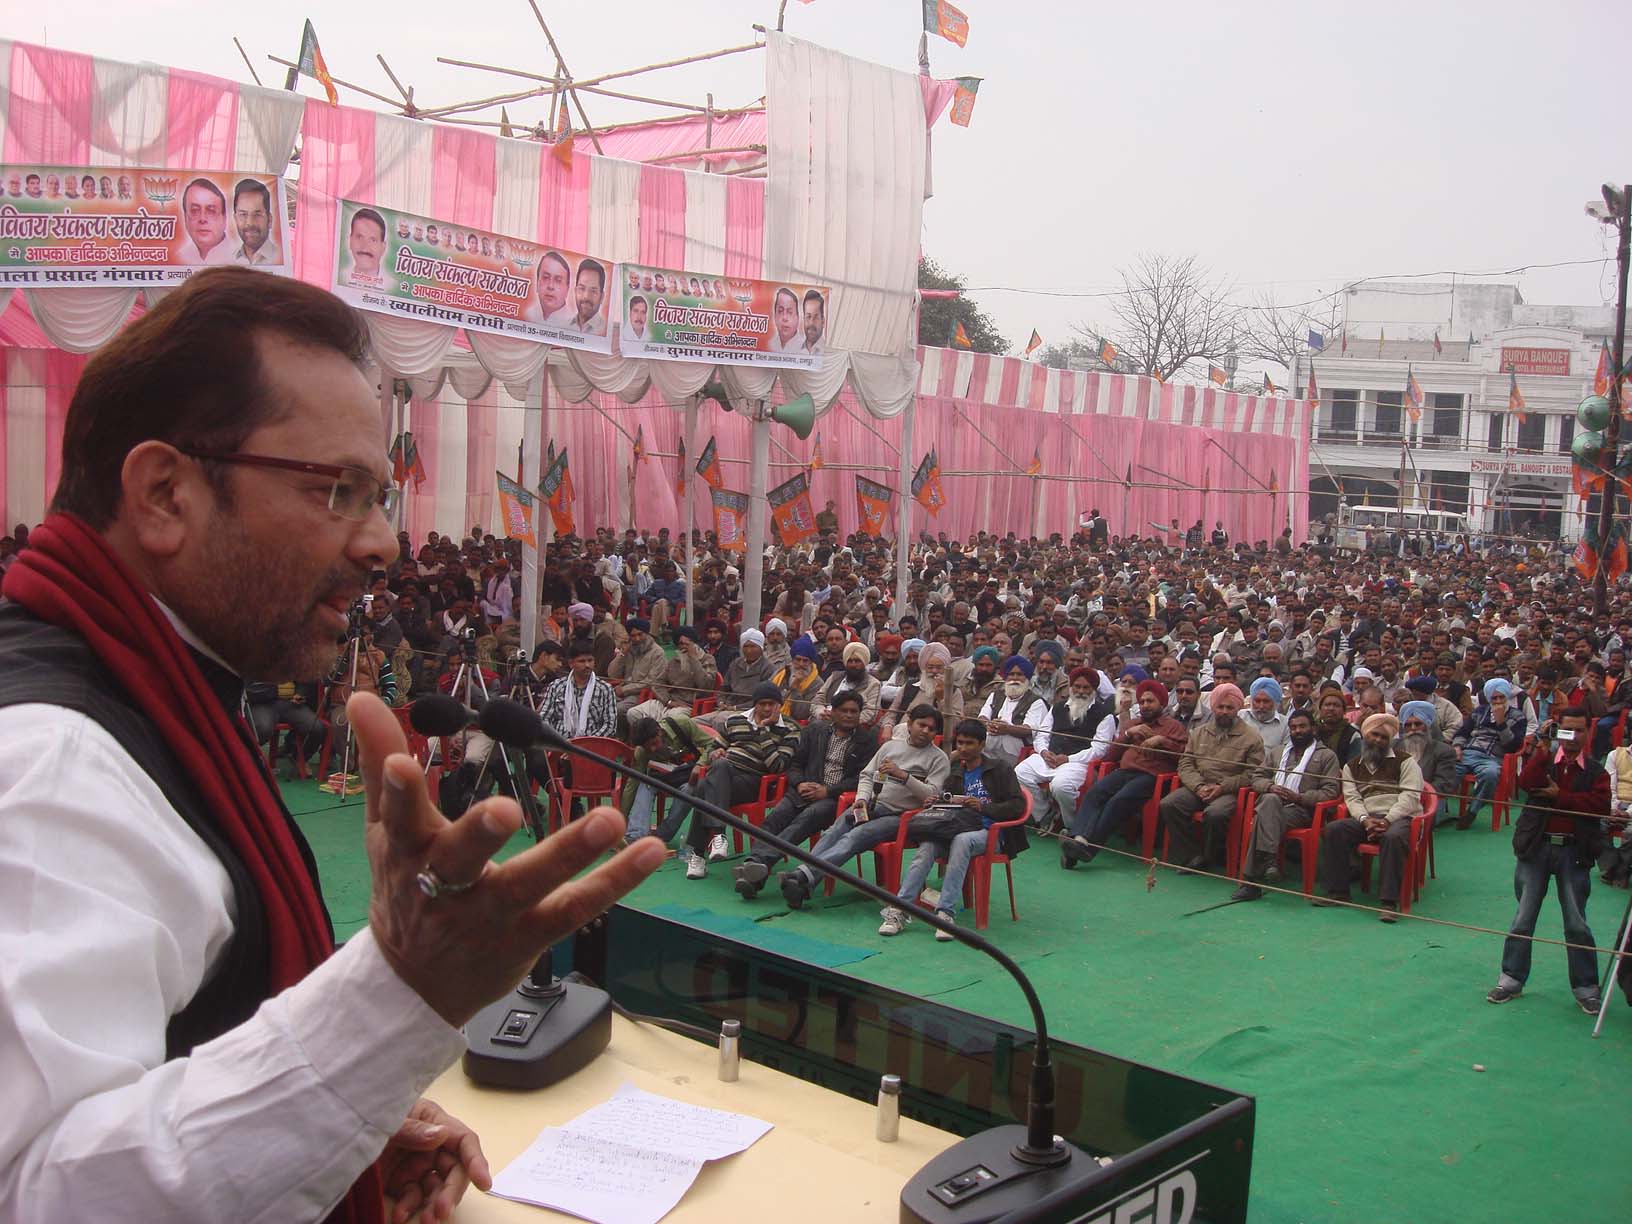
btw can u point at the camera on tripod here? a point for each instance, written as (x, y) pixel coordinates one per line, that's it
(358, 617)
(467, 644)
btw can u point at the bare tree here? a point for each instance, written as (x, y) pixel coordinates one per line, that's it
(1280, 334)
(1172, 312)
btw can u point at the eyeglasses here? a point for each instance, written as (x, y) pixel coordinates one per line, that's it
(353, 495)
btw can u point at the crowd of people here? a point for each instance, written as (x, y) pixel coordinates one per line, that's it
(1069, 678)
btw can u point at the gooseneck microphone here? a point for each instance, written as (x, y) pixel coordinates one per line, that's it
(974, 1169)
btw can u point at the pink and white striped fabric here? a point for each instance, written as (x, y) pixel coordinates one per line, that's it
(1175, 439)
(668, 138)
(59, 107)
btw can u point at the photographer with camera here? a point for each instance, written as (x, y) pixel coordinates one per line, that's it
(1556, 838)
(361, 666)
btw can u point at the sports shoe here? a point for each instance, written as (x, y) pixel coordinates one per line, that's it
(696, 867)
(1074, 850)
(718, 848)
(1590, 1004)
(795, 891)
(1501, 994)
(750, 875)
(895, 921)
(944, 936)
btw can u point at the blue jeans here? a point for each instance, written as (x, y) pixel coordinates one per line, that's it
(640, 811)
(1111, 802)
(1530, 880)
(962, 851)
(1486, 771)
(845, 839)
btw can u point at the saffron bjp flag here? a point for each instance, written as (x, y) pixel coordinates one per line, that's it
(640, 444)
(816, 463)
(949, 22)
(959, 339)
(730, 518)
(1035, 467)
(1269, 384)
(405, 461)
(1438, 347)
(708, 466)
(1413, 395)
(1107, 351)
(1216, 374)
(1035, 343)
(873, 504)
(1515, 397)
(1343, 342)
(516, 511)
(1604, 376)
(556, 490)
(926, 484)
(1313, 395)
(312, 64)
(963, 100)
(562, 150)
(791, 511)
(680, 471)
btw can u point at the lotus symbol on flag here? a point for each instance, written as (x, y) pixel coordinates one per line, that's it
(159, 190)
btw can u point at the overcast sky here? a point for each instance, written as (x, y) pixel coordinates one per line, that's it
(1289, 146)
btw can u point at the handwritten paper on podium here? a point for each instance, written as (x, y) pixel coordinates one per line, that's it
(626, 1161)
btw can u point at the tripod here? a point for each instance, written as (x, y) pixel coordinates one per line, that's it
(468, 682)
(1621, 952)
(354, 640)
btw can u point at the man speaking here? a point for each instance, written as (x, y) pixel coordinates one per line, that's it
(179, 1040)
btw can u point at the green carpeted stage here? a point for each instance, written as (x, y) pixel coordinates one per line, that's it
(1358, 1039)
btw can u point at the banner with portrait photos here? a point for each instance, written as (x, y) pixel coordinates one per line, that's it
(414, 267)
(68, 227)
(674, 315)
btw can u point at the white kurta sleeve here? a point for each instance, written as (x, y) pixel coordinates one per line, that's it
(112, 913)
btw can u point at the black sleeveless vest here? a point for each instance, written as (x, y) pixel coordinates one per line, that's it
(41, 663)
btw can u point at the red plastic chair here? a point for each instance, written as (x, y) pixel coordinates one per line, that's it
(977, 886)
(1422, 827)
(1166, 784)
(886, 856)
(590, 779)
(1308, 841)
(1246, 801)
(284, 731)
(771, 789)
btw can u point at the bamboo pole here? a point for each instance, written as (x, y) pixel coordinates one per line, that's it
(247, 64)
(276, 59)
(561, 62)
(407, 93)
(753, 171)
(1214, 444)
(555, 81)
(668, 157)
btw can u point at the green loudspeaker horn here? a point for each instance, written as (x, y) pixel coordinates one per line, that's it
(715, 390)
(798, 414)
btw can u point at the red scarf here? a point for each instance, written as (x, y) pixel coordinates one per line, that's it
(69, 577)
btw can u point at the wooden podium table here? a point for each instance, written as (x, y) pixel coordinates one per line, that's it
(818, 1163)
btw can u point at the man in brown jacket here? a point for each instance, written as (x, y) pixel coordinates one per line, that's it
(1382, 789)
(1222, 756)
(1289, 790)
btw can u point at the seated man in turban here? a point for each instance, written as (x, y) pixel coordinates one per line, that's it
(1382, 789)
(1148, 743)
(1083, 725)
(1016, 717)
(853, 677)
(1221, 757)
(1419, 736)
(1492, 731)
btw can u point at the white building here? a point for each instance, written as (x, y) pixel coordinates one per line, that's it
(1468, 452)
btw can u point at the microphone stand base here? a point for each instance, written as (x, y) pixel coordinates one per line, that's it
(982, 1178)
(537, 1035)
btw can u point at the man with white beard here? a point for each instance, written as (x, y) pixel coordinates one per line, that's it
(1436, 758)
(1083, 726)
(1015, 715)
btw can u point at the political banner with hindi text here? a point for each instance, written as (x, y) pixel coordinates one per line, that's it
(416, 267)
(791, 510)
(675, 315)
(730, 518)
(69, 227)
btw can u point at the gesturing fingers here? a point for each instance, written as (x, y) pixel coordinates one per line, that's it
(378, 736)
